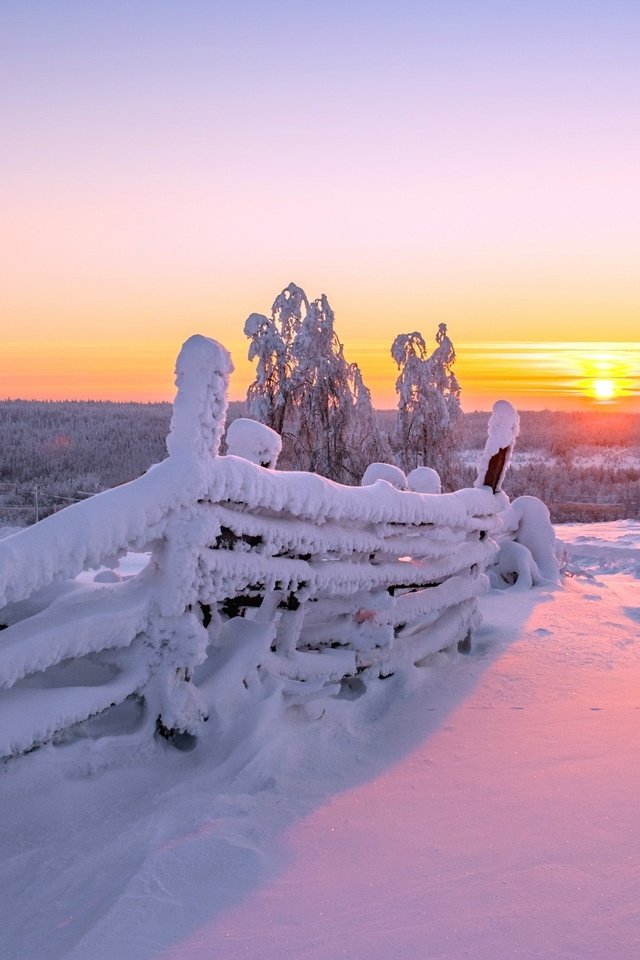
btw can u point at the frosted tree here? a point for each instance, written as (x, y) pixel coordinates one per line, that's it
(307, 391)
(269, 396)
(335, 430)
(429, 413)
(287, 311)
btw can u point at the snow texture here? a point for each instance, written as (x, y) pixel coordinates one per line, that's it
(254, 441)
(528, 549)
(478, 806)
(310, 496)
(424, 480)
(384, 471)
(528, 522)
(203, 368)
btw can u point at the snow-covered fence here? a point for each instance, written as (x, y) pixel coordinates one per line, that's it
(254, 577)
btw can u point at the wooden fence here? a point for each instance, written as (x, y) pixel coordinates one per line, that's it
(253, 576)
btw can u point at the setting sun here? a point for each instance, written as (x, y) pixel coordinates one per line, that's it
(604, 389)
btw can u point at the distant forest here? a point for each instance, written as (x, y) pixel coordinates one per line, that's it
(585, 466)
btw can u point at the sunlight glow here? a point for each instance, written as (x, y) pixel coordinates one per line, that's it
(604, 389)
(557, 375)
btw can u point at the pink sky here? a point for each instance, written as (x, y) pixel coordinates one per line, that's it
(167, 170)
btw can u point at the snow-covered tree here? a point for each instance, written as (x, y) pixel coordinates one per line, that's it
(429, 412)
(307, 391)
(268, 397)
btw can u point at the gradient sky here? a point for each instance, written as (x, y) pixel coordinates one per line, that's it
(167, 167)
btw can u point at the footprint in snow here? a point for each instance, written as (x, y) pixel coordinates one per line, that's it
(542, 632)
(592, 596)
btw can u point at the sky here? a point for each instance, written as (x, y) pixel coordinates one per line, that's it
(168, 167)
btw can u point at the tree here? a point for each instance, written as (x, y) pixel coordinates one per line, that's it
(269, 396)
(429, 413)
(307, 391)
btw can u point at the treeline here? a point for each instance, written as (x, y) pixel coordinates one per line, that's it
(70, 449)
(55, 452)
(585, 466)
(587, 492)
(113, 441)
(556, 432)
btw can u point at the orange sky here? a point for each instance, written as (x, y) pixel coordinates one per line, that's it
(465, 163)
(554, 375)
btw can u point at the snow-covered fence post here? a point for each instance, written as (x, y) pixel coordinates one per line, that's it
(199, 409)
(526, 539)
(145, 633)
(197, 424)
(504, 426)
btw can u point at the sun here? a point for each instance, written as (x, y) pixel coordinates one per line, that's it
(603, 389)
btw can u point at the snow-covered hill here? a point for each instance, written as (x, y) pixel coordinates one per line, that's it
(478, 806)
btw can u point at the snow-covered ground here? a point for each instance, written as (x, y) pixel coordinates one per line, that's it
(480, 806)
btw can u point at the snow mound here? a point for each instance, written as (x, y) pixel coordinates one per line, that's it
(384, 471)
(528, 550)
(254, 441)
(424, 480)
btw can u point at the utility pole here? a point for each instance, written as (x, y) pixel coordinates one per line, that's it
(35, 494)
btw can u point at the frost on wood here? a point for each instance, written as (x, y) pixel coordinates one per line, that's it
(259, 582)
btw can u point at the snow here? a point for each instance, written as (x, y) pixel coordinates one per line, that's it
(309, 496)
(254, 441)
(74, 624)
(424, 480)
(89, 532)
(528, 548)
(384, 471)
(189, 758)
(480, 805)
(9, 531)
(203, 368)
(527, 520)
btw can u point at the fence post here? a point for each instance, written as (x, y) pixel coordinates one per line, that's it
(199, 409)
(197, 424)
(504, 426)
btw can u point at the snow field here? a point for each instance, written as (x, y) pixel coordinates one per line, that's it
(475, 806)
